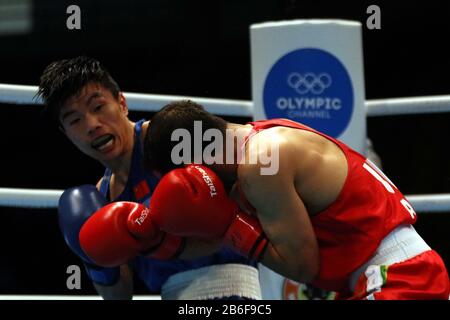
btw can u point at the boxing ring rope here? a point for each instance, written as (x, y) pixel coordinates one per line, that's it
(28, 198)
(41, 198)
(32, 198)
(71, 297)
(412, 105)
(20, 94)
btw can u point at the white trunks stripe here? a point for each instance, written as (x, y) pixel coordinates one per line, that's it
(399, 245)
(213, 282)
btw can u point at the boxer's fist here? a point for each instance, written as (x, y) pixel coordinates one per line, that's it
(187, 201)
(120, 231)
(192, 202)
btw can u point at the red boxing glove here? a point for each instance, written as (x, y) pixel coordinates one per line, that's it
(192, 202)
(120, 231)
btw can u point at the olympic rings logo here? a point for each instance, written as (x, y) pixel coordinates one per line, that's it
(309, 82)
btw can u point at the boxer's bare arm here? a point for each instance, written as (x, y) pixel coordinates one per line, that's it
(293, 249)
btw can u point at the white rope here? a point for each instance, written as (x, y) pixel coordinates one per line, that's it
(430, 202)
(413, 105)
(20, 94)
(29, 198)
(69, 297)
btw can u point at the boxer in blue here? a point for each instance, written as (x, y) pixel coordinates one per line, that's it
(89, 108)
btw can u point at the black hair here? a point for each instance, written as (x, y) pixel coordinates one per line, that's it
(65, 78)
(158, 145)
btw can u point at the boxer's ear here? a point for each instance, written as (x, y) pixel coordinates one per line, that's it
(123, 103)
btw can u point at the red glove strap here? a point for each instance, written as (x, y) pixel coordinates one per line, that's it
(259, 248)
(170, 247)
(246, 236)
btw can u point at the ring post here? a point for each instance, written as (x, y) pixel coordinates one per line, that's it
(310, 71)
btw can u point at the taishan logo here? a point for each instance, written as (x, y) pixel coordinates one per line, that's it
(207, 179)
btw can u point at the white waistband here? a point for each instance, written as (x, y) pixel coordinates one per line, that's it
(211, 282)
(399, 245)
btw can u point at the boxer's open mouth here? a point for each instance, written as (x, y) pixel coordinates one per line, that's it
(102, 142)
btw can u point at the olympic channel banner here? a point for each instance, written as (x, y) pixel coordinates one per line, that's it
(309, 71)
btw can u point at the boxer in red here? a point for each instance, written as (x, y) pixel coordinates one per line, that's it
(326, 215)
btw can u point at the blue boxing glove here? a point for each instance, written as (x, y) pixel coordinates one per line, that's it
(76, 205)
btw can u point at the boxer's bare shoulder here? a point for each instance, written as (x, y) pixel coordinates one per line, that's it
(315, 165)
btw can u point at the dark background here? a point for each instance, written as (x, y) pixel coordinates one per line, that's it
(201, 48)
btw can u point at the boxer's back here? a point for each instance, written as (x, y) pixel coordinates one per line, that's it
(352, 210)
